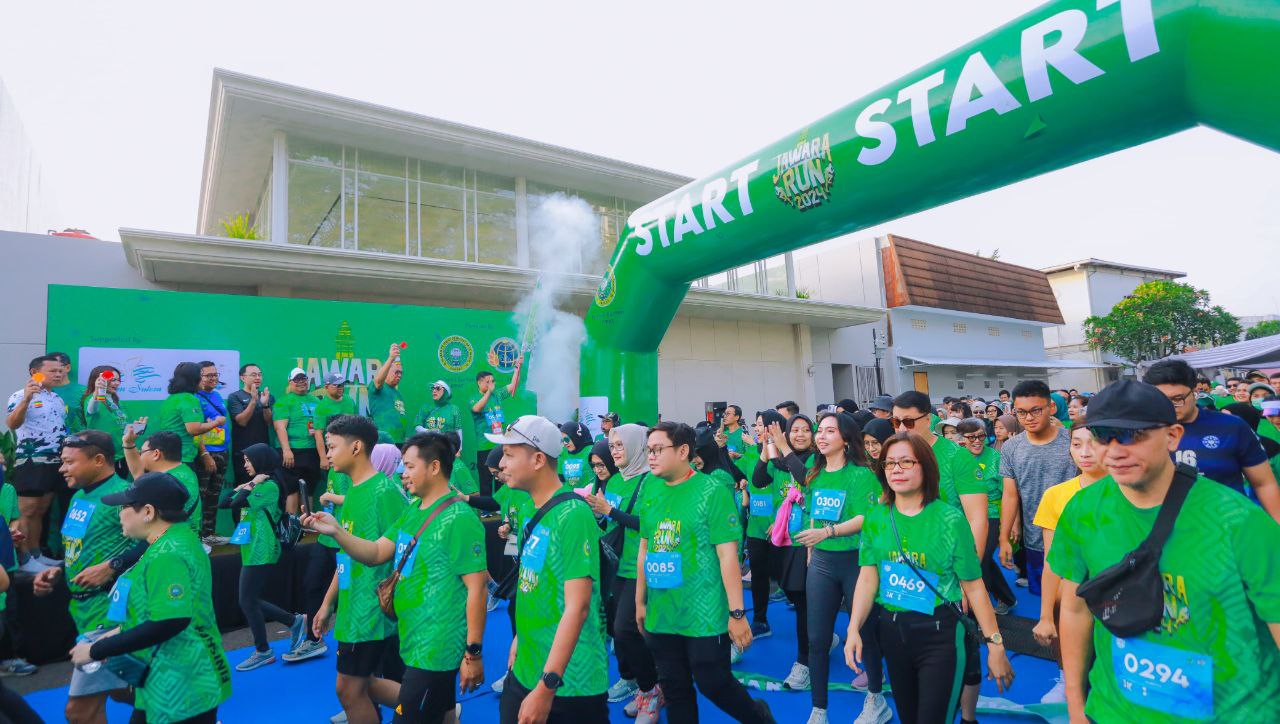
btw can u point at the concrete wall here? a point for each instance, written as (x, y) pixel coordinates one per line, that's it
(746, 363)
(942, 334)
(26, 200)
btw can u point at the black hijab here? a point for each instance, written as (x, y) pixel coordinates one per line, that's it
(601, 450)
(713, 456)
(265, 460)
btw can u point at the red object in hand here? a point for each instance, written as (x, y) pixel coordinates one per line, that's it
(404, 345)
(108, 375)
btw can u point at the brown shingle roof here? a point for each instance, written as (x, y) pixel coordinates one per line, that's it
(926, 275)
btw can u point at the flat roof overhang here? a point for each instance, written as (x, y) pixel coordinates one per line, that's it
(171, 258)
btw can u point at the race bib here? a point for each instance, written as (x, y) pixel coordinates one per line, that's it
(663, 569)
(572, 470)
(901, 587)
(762, 506)
(402, 544)
(796, 520)
(118, 601)
(344, 572)
(535, 549)
(240, 536)
(614, 499)
(827, 504)
(494, 417)
(76, 523)
(1163, 678)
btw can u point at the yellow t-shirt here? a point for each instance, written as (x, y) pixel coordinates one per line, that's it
(1054, 500)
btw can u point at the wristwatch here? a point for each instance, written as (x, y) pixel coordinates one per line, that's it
(995, 638)
(473, 649)
(552, 680)
(737, 614)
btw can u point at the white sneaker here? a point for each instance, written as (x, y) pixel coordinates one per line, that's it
(497, 685)
(875, 710)
(817, 716)
(1058, 694)
(457, 712)
(798, 678)
(50, 562)
(339, 718)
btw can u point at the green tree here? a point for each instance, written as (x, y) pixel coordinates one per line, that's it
(1263, 329)
(1161, 318)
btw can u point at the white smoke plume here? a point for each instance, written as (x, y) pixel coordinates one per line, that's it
(564, 238)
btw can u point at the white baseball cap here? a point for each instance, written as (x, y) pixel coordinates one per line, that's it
(532, 430)
(296, 372)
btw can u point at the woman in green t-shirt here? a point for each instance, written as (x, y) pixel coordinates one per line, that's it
(917, 556)
(985, 467)
(620, 503)
(840, 489)
(783, 467)
(574, 469)
(164, 607)
(103, 411)
(259, 552)
(182, 414)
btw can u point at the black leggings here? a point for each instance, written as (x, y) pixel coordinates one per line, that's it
(634, 659)
(564, 709)
(800, 601)
(252, 580)
(831, 579)
(483, 476)
(208, 717)
(925, 658)
(992, 578)
(321, 562)
(760, 553)
(684, 660)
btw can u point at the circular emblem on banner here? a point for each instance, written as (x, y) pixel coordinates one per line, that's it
(607, 289)
(456, 353)
(503, 353)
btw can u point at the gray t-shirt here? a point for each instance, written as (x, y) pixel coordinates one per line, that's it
(1036, 468)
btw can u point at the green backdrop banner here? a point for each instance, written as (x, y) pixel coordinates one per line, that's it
(1070, 81)
(145, 333)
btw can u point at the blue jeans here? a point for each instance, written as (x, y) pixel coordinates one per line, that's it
(1035, 567)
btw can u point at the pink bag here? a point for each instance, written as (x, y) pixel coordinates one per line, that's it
(780, 536)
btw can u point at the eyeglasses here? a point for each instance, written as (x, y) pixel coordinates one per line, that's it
(145, 450)
(599, 466)
(908, 422)
(512, 428)
(617, 446)
(904, 464)
(974, 437)
(1027, 414)
(1122, 435)
(1180, 400)
(656, 450)
(210, 376)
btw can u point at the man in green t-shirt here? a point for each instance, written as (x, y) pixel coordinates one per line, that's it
(333, 400)
(1214, 654)
(690, 593)
(979, 463)
(71, 392)
(162, 453)
(366, 637)
(91, 535)
(386, 406)
(488, 418)
(437, 545)
(301, 438)
(440, 415)
(559, 664)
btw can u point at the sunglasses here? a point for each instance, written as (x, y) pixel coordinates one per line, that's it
(1122, 435)
(906, 421)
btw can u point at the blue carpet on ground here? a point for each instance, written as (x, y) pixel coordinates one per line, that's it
(304, 692)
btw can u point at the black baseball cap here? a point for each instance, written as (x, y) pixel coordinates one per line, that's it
(1130, 405)
(159, 489)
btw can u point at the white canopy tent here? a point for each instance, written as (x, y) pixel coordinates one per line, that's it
(1261, 352)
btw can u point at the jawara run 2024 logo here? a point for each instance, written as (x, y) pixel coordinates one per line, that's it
(805, 174)
(456, 353)
(607, 289)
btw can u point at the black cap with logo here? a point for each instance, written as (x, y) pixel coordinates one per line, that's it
(159, 489)
(1130, 405)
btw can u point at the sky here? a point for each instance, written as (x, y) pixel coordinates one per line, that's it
(115, 100)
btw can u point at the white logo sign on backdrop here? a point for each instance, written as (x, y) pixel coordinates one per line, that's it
(145, 373)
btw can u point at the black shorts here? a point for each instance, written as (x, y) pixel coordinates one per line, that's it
(370, 658)
(32, 480)
(361, 659)
(306, 467)
(426, 696)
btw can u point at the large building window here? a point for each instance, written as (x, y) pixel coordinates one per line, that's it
(351, 198)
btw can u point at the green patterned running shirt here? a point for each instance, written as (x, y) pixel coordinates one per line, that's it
(370, 509)
(937, 539)
(91, 535)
